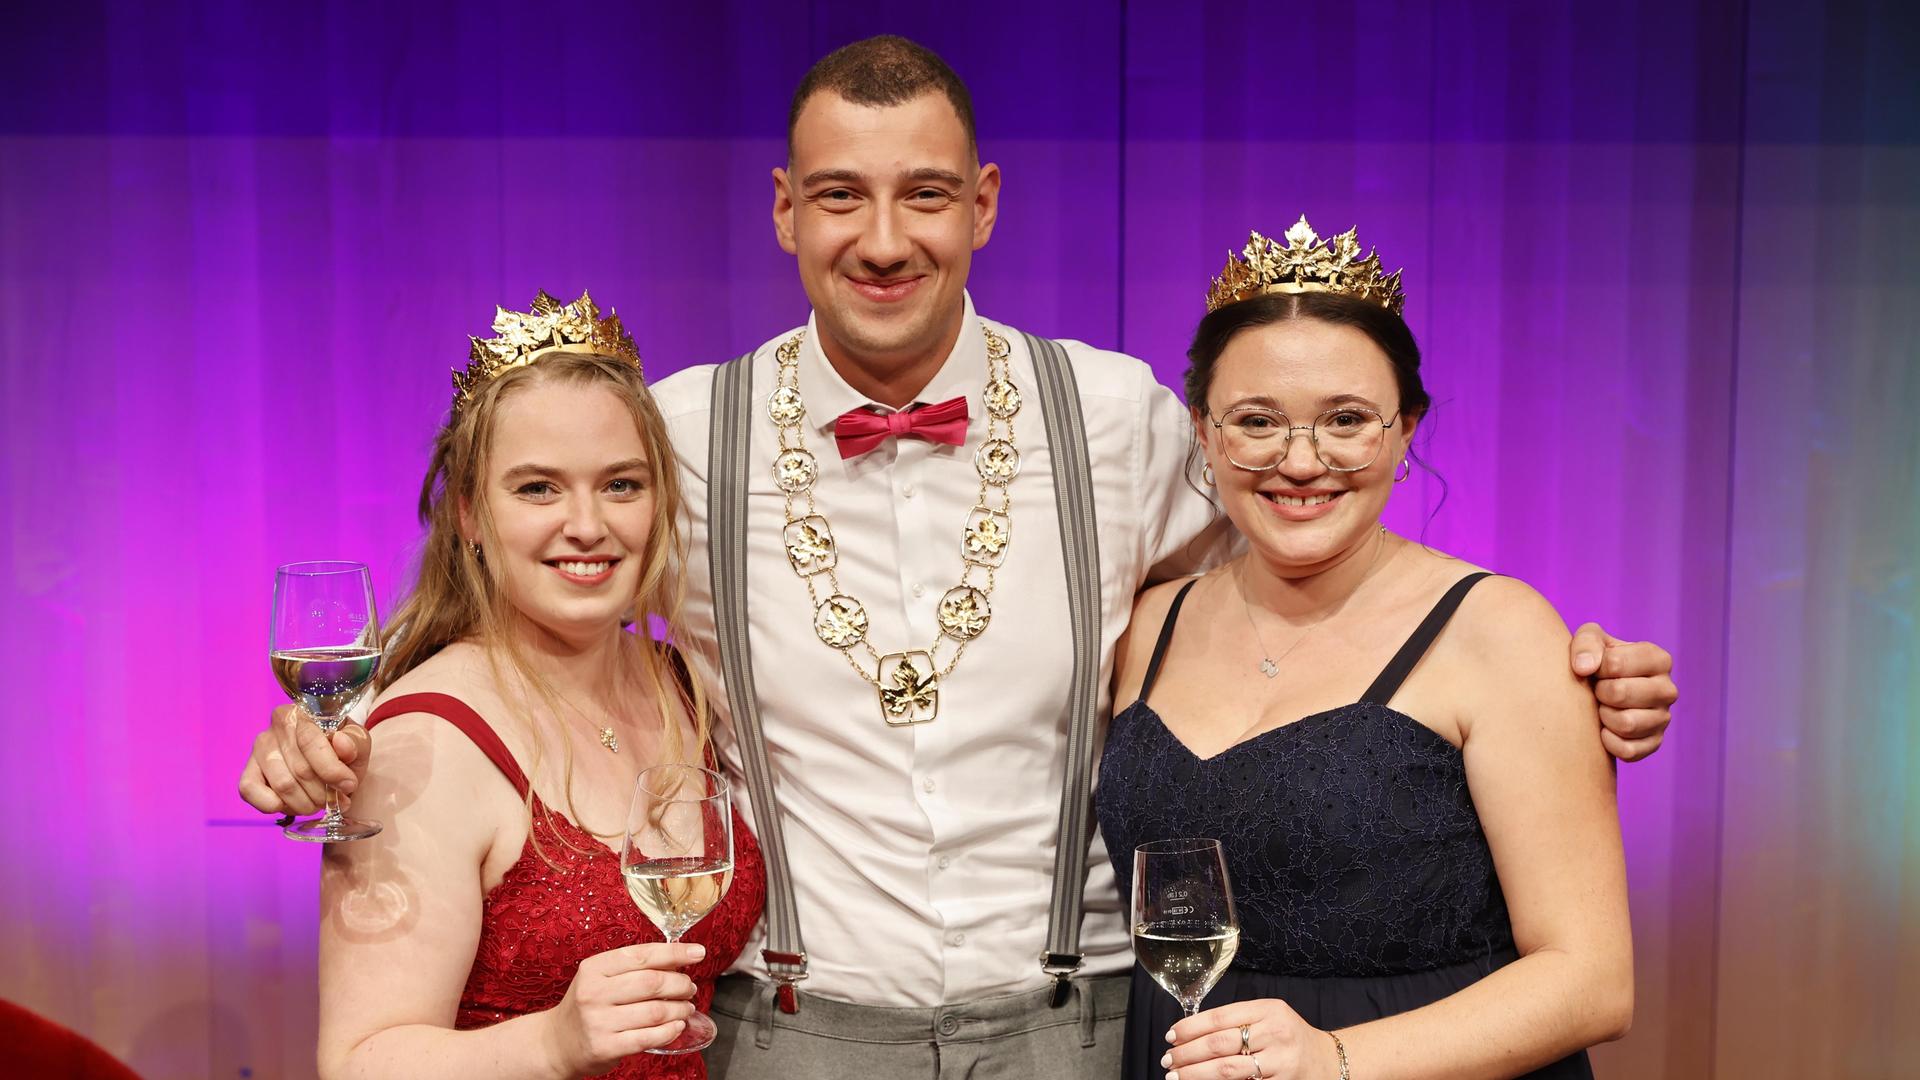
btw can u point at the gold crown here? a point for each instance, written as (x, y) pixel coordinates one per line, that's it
(521, 337)
(1305, 265)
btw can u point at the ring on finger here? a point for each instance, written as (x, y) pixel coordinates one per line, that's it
(1246, 1047)
(1257, 1074)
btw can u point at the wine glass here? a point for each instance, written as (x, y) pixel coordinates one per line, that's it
(1185, 932)
(325, 650)
(677, 859)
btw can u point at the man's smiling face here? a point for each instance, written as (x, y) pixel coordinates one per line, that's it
(883, 206)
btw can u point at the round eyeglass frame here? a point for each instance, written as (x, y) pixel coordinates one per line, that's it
(1313, 436)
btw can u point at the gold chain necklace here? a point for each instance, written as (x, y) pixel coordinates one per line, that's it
(908, 682)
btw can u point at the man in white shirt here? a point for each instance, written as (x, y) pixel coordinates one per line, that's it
(922, 856)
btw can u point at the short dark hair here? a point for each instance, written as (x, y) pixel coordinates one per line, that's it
(882, 71)
(1386, 329)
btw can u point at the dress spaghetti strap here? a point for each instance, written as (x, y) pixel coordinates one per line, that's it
(1403, 662)
(460, 715)
(1166, 635)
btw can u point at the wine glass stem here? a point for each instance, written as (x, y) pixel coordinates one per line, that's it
(336, 810)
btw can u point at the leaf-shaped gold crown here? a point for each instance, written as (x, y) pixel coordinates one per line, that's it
(1304, 265)
(521, 337)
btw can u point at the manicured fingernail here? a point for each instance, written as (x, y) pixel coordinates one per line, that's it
(1166, 1060)
(1173, 1076)
(1169, 1034)
(699, 952)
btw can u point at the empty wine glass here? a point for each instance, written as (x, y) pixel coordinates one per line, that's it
(677, 859)
(325, 651)
(1185, 932)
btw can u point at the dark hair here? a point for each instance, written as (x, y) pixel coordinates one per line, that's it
(1386, 329)
(882, 71)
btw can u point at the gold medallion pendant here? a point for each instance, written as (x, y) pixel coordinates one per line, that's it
(909, 688)
(907, 683)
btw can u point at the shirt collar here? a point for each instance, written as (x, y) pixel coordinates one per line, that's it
(964, 374)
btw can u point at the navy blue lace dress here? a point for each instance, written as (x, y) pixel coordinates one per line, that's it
(1362, 878)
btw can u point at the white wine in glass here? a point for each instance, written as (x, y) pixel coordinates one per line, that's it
(1185, 932)
(677, 860)
(325, 650)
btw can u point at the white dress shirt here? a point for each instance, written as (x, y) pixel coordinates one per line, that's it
(922, 856)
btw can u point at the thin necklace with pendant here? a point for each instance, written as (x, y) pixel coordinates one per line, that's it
(1269, 666)
(609, 740)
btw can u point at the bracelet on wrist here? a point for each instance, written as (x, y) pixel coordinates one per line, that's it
(1340, 1048)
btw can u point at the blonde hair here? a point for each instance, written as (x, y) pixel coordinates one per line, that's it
(459, 596)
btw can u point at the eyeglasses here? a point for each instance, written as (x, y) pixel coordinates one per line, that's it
(1346, 439)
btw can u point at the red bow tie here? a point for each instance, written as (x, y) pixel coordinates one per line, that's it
(860, 430)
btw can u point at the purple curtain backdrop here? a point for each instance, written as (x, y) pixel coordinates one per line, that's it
(1658, 256)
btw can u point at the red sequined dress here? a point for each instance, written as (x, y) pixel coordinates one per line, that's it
(540, 922)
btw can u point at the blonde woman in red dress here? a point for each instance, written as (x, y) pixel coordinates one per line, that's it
(486, 931)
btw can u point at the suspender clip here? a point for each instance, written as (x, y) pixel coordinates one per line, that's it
(1061, 966)
(784, 993)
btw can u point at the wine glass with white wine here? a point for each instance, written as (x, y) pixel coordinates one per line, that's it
(1185, 932)
(677, 859)
(325, 650)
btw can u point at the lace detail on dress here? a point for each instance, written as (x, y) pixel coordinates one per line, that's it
(539, 923)
(1351, 839)
(542, 920)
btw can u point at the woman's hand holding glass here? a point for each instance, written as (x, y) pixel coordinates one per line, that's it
(622, 1002)
(1210, 1045)
(324, 646)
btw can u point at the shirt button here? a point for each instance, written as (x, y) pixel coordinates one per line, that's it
(919, 589)
(949, 1025)
(906, 491)
(957, 940)
(927, 785)
(943, 862)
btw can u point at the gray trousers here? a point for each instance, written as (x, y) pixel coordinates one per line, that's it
(1012, 1037)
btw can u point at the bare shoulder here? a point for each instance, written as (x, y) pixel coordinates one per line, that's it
(459, 670)
(1152, 604)
(1503, 618)
(1135, 650)
(421, 760)
(1510, 646)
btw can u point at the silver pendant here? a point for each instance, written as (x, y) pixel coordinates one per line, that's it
(1268, 667)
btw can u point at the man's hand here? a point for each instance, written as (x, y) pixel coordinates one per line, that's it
(293, 763)
(1633, 681)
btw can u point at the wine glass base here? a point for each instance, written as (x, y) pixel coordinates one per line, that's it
(322, 830)
(695, 1037)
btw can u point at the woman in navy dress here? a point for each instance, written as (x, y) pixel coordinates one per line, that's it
(1427, 863)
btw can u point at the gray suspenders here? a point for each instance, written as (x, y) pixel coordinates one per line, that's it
(727, 465)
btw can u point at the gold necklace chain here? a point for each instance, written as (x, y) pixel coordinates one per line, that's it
(908, 682)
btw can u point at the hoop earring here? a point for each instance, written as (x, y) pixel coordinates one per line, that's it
(1405, 470)
(479, 556)
(1206, 474)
